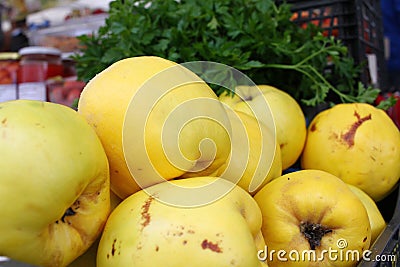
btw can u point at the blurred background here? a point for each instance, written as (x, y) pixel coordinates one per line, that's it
(53, 22)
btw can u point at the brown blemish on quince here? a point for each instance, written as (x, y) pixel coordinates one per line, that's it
(190, 231)
(145, 212)
(209, 245)
(348, 137)
(313, 127)
(113, 247)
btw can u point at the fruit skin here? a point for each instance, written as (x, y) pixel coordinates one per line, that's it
(255, 158)
(105, 100)
(376, 219)
(315, 197)
(288, 116)
(143, 231)
(359, 144)
(54, 183)
(88, 259)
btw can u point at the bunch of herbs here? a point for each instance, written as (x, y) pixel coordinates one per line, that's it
(255, 37)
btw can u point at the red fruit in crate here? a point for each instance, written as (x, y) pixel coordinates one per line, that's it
(329, 23)
(294, 17)
(305, 16)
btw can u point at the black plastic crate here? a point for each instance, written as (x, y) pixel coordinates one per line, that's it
(385, 252)
(357, 23)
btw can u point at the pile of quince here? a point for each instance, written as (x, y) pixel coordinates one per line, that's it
(155, 169)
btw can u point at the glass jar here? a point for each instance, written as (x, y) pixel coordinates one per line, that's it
(69, 65)
(38, 65)
(8, 76)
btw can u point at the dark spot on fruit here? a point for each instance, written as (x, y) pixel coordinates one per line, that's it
(184, 242)
(116, 171)
(190, 231)
(77, 203)
(145, 212)
(243, 212)
(313, 232)
(313, 127)
(288, 178)
(38, 124)
(113, 247)
(68, 212)
(108, 256)
(333, 136)
(365, 239)
(209, 245)
(4, 121)
(348, 137)
(157, 248)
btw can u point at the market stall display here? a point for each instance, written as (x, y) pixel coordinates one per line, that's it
(45, 70)
(116, 71)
